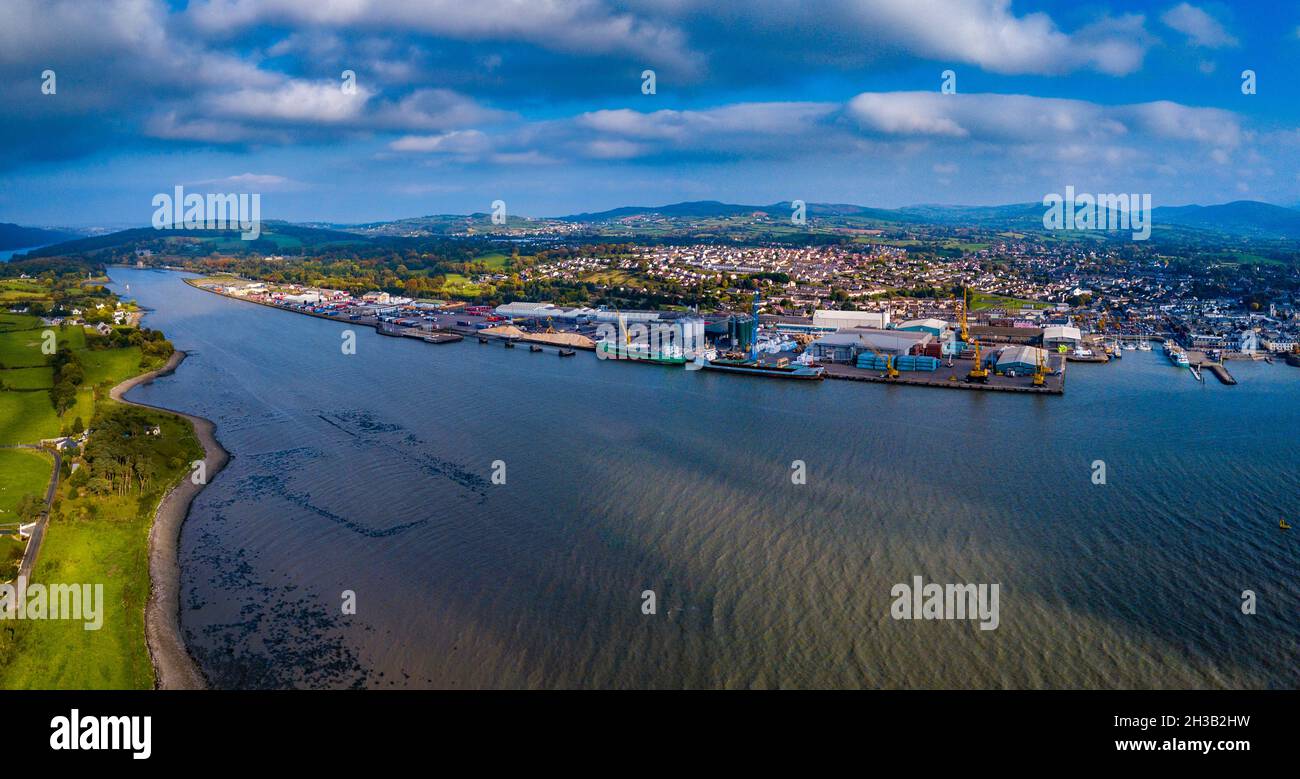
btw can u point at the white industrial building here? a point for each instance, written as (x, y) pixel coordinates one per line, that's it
(846, 319)
(523, 309)
(1058, 335)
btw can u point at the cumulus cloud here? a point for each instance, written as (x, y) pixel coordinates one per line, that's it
(983, 33)
(292, 101)
(457, 142)
(1200, 28)
(582, 26)
(1021, 118)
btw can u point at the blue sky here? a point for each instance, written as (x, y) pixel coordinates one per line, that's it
(540, 104)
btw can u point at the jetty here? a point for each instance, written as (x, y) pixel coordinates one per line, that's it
(952, 378)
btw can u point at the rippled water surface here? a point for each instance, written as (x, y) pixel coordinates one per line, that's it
(372, 473)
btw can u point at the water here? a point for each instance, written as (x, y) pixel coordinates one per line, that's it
(371, 473)
(8, 254)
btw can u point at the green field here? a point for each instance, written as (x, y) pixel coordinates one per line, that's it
(18, 322)
(26, 414)
(22, 472)
(459, 286)
(981, 300)
(40, 377)
(27, 417)
(21, 348)
(23, 291)
(493, 261)
(110, 365)
(98, 540)
(611, 278)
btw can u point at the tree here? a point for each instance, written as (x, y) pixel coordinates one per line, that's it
(30, 507)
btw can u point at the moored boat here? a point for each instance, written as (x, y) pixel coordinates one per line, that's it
(638, 352)
(778, 369)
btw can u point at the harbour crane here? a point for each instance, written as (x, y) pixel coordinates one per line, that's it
(977, 373)
(890, 371)
(1040, 372)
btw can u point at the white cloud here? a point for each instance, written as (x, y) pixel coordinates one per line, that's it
(1200, 28)
(907, 113)
(581, 26)
(984, 33)
(293, 101)
(1021, 118)
(435, 109)
(456, 142)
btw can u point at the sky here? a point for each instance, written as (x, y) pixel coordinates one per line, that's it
(543, 104)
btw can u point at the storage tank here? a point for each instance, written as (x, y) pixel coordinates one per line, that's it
(743, 330)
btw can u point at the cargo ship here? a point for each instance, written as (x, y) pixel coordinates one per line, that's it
(638, 352)
(770, 366)
(779, 368)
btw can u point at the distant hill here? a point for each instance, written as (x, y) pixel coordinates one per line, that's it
(1240, 217)
(274, 235)
(713, 209)
(1244, 218)
(14, 236)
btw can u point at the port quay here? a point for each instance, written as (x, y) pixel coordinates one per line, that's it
(970, 355)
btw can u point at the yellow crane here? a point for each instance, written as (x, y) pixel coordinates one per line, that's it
(890, 371)
(1040, 374)
(978, 372)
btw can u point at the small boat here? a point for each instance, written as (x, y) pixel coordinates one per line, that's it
(510, 344)
(534, 348)
(567, 352)
(1282, 523)
(1144, 345)
(482, 340)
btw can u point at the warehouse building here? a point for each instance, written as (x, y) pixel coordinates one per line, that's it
(1061, 335)
(934, 327)
(1020, 360)
(524, 308)
(845, 345)
(846, 319)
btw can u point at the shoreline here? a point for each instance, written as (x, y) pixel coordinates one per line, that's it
(174, 667)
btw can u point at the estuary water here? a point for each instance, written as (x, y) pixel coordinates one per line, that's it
(371, 474)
